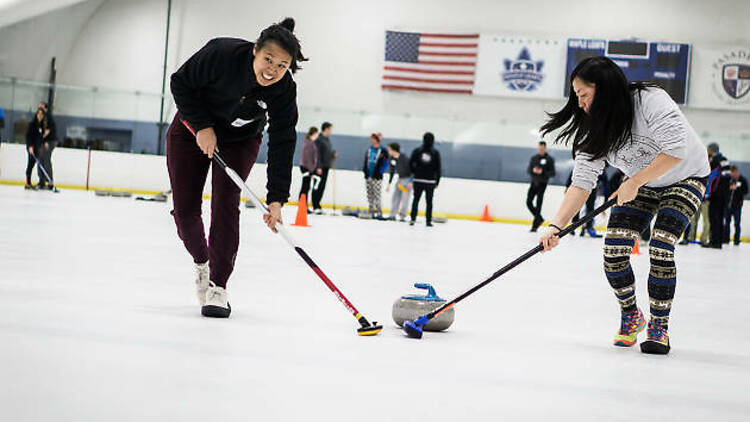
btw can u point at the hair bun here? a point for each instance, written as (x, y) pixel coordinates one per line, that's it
(288, 23)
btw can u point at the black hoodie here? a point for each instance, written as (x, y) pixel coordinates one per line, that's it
(738, 195)
(216, 87)
(35, 133)
(425, 163)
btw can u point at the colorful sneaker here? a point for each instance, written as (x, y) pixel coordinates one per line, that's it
(657, 342)
(592, 232)
(630, 325)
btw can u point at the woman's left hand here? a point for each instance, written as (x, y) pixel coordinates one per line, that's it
(273, 216)
(627, 191)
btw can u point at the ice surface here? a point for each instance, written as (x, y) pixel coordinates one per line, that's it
(100, 322)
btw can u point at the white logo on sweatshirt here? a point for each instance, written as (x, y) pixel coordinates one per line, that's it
(240, 122)
(426, 158)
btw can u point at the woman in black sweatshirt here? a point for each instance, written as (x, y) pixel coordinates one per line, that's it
(426, 167)
(34, 136)
(225, 94)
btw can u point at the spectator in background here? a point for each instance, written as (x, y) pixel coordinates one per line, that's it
(590, 203)
(426, 168)
(718, 194)
(308, 160)
(541, 169)
(2, 123)
(375, 164)
(737, 191)
(326, 155)
(34, 139)
(399, 166)
(49, 142)
(702, 215)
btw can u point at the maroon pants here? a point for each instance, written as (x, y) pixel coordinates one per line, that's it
(188, 169)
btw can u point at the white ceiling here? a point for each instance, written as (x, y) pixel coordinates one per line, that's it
(12, 11)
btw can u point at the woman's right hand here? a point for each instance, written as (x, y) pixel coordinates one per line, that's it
(206, 139)
(31, 151)
(549, 238)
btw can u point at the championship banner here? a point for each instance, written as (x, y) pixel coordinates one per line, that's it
(720, 78)
(520, 67)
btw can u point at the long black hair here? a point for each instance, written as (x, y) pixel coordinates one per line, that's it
(607, 126)
(282, 33)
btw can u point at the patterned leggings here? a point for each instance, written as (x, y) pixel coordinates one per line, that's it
(673, 206)
(373, 196)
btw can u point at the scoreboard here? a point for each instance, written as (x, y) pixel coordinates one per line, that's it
(666, 64)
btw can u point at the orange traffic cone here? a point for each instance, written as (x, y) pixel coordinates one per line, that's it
(486, 214)
(636, 248)
(301, 220)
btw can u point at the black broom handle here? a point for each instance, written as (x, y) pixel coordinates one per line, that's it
(538, 248)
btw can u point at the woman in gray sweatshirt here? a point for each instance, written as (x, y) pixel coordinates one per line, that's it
(637, 128)
(308, 161)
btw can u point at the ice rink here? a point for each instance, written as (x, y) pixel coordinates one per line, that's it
(100, 322)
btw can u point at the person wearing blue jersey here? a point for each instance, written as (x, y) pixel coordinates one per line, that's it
(375, 164)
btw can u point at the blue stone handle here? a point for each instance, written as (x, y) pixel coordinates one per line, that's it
(430, 290)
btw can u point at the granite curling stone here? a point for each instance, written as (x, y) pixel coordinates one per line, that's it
(411, 307)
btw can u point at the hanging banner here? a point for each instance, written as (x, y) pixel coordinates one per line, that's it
(721, 78)
(520, 67)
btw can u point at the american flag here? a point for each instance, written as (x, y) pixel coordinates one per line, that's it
(430, 62)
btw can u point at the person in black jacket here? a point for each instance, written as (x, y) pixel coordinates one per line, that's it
(718, 194)
(425, 166)
(49, 142)
(737, 191)
(541, 169)
(34, 136)
(2, 123)
(225, 93)
(602, 184)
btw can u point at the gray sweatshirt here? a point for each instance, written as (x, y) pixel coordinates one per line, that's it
(309, 157)
(658, 127)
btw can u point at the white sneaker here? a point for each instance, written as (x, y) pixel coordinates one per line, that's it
(216, 302)
(201, 282)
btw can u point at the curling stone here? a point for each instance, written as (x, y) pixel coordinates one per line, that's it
(101, 193)
(364, 215)
(160, 197)
(439, 220)
(121, 194)
(249, 204)
(411, 307)
(349, 211)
